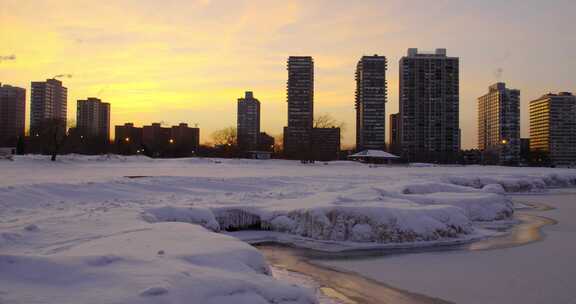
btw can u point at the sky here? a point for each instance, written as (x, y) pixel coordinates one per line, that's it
(175, 61)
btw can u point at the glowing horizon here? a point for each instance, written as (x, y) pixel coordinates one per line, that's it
(188, 61)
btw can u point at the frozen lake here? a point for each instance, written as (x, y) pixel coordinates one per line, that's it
(536, 272)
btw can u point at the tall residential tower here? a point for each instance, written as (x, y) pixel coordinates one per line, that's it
(93, 118)
(248, 122)
(300, 87)
(12, 114)
(48, 101)
(499, 125)
(429, 106)
(371, 94)
(553, 127)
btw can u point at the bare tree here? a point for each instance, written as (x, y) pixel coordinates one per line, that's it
(227, 136)
(53, 135)
(327, 121)
(226, 142)
(279, 143)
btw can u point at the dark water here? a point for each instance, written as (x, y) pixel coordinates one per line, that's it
(349, 287)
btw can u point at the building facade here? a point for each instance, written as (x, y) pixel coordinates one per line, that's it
(93, 118)
(553, 128)
(186, 140)
(128, 139)
(48, 101)
(429, 107)
(157, 141)
(265, 142)
(326, 143)
(499, 125)
(300, 96)
(394, 138)
(248, 122)
(12, 115)
(371, 97)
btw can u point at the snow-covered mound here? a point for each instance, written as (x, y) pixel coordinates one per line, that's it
(149, 231)
(160, 263)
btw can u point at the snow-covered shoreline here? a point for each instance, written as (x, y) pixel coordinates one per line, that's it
(111, 219)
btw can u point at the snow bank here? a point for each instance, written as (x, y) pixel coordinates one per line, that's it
(383, 223)
(200, 216)
(196, 264)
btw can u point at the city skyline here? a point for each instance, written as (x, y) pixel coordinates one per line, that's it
(184, 67)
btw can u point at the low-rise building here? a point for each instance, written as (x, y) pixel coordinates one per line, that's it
(157, 141)
(325, 143)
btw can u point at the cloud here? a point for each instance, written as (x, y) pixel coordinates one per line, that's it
(63, 76)
(8, 58)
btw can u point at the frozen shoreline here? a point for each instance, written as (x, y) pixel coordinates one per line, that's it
(84, 214)
(527, 266)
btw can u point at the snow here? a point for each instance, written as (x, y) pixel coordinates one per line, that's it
(540, 272)
(151, 230)
(373, 154)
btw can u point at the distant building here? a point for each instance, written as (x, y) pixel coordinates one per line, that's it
(157, 141)
(326, 143)
(248, 122)
(265, 142)
(298, 133)
(12, 115)
(471, 157)
(371, 97)
(128, 139)
(48, 101)
(499, 125)
(185, 139)
(553, 128)
(525, 156)
(93, 118)
(429, 106)
(394, 133)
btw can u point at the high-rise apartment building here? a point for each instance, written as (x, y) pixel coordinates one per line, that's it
(499, 125)
(371, 97)
(48, 101)
(248, 122)
(429, 106)
(12, 114)
(394, 138)
(300, 87)
(93, 118)
(553, 127)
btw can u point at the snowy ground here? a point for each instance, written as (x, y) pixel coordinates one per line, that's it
(70, 229)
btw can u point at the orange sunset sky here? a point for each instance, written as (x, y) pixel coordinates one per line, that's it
(188, 61)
